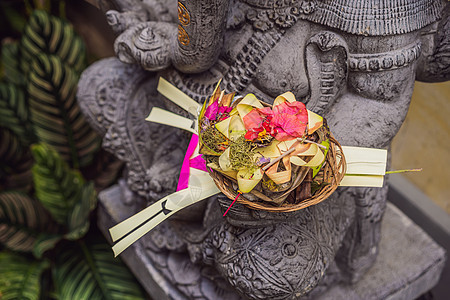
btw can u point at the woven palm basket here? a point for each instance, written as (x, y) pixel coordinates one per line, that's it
(288, 200)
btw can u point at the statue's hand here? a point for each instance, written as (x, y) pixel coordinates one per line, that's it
(147, 44)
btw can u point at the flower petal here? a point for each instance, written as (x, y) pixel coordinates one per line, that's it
(253, 120)
(211, 111)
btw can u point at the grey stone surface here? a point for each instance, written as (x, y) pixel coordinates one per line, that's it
(353, 61)
(409, 261)
(409, 264)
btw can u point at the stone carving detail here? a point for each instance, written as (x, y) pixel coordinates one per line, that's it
(235, 77)
(393, 17)
(119, 117)
(149, 45)
(437, 66)
(353, 61)
(183, 37)
(385, 61)
(259, 261)
(183, 15)
(330, 71)
(267, 14)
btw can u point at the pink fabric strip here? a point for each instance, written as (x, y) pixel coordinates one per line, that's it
(196, 163)
(183, 181)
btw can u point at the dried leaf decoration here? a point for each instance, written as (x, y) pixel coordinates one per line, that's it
(250, 135)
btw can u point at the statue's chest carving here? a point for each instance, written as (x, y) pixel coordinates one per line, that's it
(284, 67)
(272, 61)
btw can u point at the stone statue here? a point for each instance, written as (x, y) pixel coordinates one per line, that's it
(352, 61)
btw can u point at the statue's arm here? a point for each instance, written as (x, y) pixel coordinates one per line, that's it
(201, 27)
(434, 64)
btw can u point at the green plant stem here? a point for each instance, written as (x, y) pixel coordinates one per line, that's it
(403, 171)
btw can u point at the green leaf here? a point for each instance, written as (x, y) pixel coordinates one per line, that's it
(325, 143)
(45, 242)
(90, 271)
(10, 63)
(22, 219)
(58, 188)
(14, 112)
(20, 276)
(55, 113)
(15, 162)
(78, 222)
(49, 34)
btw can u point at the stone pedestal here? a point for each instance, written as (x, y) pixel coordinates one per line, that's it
(409, 262)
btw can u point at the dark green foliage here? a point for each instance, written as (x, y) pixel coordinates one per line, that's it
(78, 221)
(14, 112)
(22, 220)
(15, 162)
(55, 113)
(58, 187)
(48, 34)
(20, 276)
(11, 65)
(41, 108)
(45, 242)
(89, 271)
(64, 194)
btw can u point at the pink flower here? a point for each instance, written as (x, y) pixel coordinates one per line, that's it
(225, 109)
(212, 110)
(256, 121)
(284, 122)
(290, 120)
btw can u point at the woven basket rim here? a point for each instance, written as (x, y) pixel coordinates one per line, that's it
(334, 165)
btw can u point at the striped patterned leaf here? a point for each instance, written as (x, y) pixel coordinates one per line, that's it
(14, 112)
(58, 188)
(45, 242)
(15, 162)
(10, 63)
(91, 272)
(78, 221)
(48, 34)
(22, 219)
(20, 276)
(55, 113)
